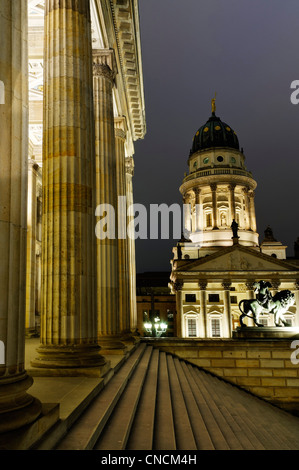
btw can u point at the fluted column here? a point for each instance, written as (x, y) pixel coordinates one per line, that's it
(214, 205)
(232, 204)
(178, 286)
(68, 322)
(31, 247)
(198, 210)
(203, 307)
(227, 309)
(104, 72)
(17, 407)
(250, 295)
(252, 211)
(131, 245)
(123, 254)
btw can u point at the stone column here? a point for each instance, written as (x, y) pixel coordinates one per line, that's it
(131, 245)
(31, 248)
(250, 295)
(178, 286)
(203, 307)
(227, 313)
(214, 205)
(247, 217)
(252, 211)
(232, 204)
(17, 407)
(187, 213)
(123, 254)
(104, 72)
(198, 209)
(68, 324)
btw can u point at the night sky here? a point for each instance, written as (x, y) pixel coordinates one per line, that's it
(247, 52)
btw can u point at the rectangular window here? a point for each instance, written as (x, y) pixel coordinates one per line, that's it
(215, 328)
(191, 328)
(213, 297)
(234, 299)
(190, 298)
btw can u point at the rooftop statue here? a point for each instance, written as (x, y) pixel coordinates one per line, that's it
(266, 303)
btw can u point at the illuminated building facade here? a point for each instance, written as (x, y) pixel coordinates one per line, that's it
(213, 268)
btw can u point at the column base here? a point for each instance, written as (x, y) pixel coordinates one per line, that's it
(130, 337)
(112, 345)
(17, 408)
(69, 361)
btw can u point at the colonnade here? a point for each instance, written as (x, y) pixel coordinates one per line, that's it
(194, 220)
(87, 300)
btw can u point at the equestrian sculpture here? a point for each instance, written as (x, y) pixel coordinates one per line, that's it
(266, 303)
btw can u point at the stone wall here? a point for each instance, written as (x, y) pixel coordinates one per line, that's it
(262, 367)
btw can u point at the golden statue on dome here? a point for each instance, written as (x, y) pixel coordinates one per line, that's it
(214, 105)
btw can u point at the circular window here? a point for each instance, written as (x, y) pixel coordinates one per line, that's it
(206, 160)
(220, 158)
(233, 160)
(217, 128)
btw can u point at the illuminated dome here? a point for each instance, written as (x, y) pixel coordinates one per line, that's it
(214, 133)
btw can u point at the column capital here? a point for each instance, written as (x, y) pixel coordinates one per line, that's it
(275, 283)
(232, 187)
(178, 285)
(296, 284)
(129, 162)
(226, 285)
(213, 186)
(104, 63)
(202, 284)
(249, 285)
(120, 127)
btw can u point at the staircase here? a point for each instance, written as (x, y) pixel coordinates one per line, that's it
(159, 402)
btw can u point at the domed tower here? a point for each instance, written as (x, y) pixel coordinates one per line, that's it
(218, 189)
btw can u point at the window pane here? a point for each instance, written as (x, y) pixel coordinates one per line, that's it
(213, 297)
(215, 328)
(190, 298)
(191, 328)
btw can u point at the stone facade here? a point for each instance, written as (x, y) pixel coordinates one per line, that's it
(67, 149)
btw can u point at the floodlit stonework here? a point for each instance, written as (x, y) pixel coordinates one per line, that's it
(72, 106)
(213, 269)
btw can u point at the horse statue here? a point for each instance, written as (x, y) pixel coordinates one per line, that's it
(265, 303)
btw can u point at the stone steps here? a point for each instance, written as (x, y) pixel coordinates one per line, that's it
(157, 401)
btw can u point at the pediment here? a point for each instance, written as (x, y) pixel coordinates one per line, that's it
(237, 258)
